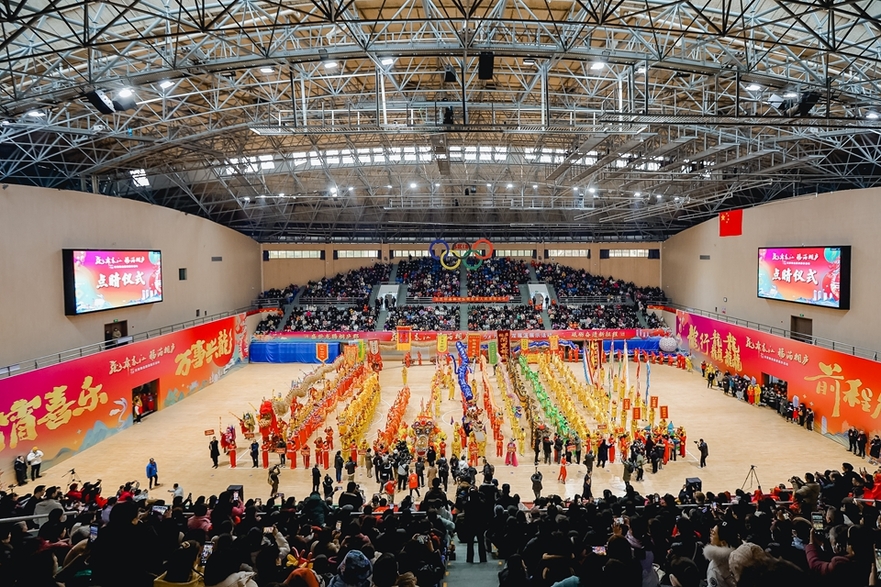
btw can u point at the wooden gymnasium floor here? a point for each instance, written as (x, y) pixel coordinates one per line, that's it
(738, 435)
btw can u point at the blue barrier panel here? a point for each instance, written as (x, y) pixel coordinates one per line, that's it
(290, 352)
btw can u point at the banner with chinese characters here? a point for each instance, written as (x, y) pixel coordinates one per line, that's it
(843, 390)
(473, 346)
(321, 351)
(404, 337)
(492, 353)
(665, 412)
(69, 407)
(454, 336)
(524, 345)
(653, 401)
(637, 413)
(504, 337)
(441, 343)
(554, 342)
(625, 404)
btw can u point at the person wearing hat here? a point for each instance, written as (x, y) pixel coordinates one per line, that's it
(35, 459)
(354, 571)
(723, 540)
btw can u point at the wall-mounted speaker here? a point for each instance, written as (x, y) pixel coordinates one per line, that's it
(485, 65)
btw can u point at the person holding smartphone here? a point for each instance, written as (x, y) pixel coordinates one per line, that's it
(850, 557)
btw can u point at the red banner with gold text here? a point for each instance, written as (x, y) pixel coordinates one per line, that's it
(69, 407)
(843, 390)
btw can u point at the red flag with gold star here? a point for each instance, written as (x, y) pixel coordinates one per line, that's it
(731, 223)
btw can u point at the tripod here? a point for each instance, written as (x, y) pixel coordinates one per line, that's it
(71, 477)
(751, 477)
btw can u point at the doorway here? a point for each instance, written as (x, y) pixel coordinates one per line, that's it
(144, 400)
(801, 329)
(114, 331)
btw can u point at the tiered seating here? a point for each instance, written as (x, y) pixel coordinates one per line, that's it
(499, 276)
(355, 284)
(570, 282)
(268, 324)
(592, 316)
(312, 318)
(424, 317)
(498, 317)
(425, 278)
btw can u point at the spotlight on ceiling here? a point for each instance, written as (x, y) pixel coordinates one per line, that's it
(166, 84)
(535, 186)
(331, 65)
(124, 93)
(597, 65)
(266, 70)
(754, 87)
(36, 114)
(510, 186)
(528, 61)
(592, 190)
(637, 194)
(413, 185)
(872, 115)
(388, 61)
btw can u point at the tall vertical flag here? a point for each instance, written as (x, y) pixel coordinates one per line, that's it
(731, 223)
(626, 370)
(648, 374)
(587, 376)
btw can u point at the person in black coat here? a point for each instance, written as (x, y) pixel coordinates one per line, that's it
(21, 471)
(602, 454)
(474, 524)
(214, 450)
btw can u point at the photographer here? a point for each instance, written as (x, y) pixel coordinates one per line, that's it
(807, 493)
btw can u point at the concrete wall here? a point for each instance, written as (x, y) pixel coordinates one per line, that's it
(727, 281)
(281, 272)
(36, 223)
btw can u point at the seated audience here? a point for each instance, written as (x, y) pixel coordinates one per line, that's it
(502, 317)
(424, 318)
(354, 284)
(425, 278)
(499, 276)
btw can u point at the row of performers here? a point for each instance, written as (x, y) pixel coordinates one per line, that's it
(604, 445)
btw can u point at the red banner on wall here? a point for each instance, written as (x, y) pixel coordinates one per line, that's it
(460, 335)
(843, 390)
(69, 407)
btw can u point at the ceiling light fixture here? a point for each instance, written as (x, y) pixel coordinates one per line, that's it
(535, 186)
(592, 190)
(872, 115)
(510, 185)
(790, 95)
(528, 61)
(36, 114)
(637, 194)
(413, 185)
(330, 65)
(388, 187)
(388, 61)
(166, 84)
(124, 93)
(266, 70)
(597, 65)
(754, 87)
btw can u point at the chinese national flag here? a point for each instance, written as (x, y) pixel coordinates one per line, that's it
(731, 223)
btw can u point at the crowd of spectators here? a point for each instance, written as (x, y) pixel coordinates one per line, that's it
(652, 320)
(503, 317)
(424, 317)
(310, 318)
(571, 282)
(285, 296)
(499, 276)
(592, 316)
(819, 532)
(354, 284)
(425, 278)
(269, 323)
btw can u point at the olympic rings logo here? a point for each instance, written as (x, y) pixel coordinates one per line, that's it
(471, 256)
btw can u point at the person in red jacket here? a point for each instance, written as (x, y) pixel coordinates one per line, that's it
(845, 560)
(413, 483)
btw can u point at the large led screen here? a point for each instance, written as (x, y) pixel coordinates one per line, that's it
(104, 280)
(818, 276)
